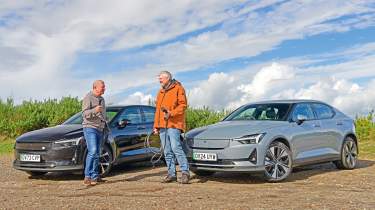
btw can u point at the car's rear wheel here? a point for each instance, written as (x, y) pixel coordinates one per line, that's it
(105, 161)
(277, 162)
(36, 173)
(349, 155)
(202, 173)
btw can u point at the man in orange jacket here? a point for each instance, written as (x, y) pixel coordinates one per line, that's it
(169, 122)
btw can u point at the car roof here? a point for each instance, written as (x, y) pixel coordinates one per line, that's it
(124, 106)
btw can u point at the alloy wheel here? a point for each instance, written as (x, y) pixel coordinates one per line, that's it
(277, 162)
(350, 154)
(105, 161)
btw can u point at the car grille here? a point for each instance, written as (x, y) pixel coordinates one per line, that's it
(214, 144)
(33, 146)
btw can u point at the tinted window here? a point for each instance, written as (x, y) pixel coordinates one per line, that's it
(132, 114)
(77, 118)
(304, 110)
(260, 112)
(149, 113)
(323, 111)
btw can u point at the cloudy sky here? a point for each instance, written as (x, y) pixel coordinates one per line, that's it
(226, 53)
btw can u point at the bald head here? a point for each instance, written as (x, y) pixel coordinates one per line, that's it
(98, 87)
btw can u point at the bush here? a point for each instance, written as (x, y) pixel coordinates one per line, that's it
(365, 127)
(197, 117)
(32, 115)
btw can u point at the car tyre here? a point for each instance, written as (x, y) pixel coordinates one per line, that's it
(277, 162)
(105, 161)
(36, 173)
(348, 155)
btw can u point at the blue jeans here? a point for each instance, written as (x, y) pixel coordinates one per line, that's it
(173, 148)
(93, 139)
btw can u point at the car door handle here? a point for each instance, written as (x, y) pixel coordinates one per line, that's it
(316, 125)
(339, 123)
(141, 127)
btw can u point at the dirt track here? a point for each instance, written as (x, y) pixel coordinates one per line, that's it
(138, 187)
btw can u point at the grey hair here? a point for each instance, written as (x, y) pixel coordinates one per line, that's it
(167, 73)
(96, 83)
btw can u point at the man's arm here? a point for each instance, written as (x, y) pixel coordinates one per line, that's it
(181, 103)
(87, 113)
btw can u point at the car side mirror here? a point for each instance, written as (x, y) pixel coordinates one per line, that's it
(300, 119)
(123, 123)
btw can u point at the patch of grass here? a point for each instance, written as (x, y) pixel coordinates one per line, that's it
(367, 149)
(6, 146)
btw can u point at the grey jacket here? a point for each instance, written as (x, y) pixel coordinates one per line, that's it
(91, 119)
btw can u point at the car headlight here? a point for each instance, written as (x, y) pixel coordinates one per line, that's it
(67, 142)
(250, 139)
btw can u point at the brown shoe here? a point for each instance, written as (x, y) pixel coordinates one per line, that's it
(169, 179)
(87, 181)
(185, 177)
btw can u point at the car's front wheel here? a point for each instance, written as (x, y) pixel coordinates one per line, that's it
(105, 161)
(277, 162)
(349, 154)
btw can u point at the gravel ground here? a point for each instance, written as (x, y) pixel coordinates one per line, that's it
(138, 187)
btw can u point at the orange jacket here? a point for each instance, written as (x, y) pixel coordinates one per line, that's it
(174, 100)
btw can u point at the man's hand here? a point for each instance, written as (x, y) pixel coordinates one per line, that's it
(98, 109)
(166, 112)
(155, 131)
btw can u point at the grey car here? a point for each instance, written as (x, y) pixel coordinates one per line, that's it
(273, 137)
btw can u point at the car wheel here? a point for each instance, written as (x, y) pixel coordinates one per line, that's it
(277, 162)
(105, 161)
(202, 173)
(36, 173)
(349, 155)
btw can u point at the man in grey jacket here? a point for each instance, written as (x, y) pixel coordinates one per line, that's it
(94, 121)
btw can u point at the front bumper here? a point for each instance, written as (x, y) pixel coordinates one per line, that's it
(51, 159)
(235, 157)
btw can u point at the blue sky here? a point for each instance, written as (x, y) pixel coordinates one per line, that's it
(226, 53)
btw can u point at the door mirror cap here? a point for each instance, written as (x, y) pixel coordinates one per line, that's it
(123, 123)
(300, 119)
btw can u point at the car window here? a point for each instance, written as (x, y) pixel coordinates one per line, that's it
(272, 111)
(77, 118)
(132, 114)
(149, 113)
(323, 111)
(303, 109)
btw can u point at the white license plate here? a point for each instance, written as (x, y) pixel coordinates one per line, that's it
(29, 158)
(205, 156)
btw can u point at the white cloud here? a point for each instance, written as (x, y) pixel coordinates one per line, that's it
(39, 42)
(279, 81)
(137, 98)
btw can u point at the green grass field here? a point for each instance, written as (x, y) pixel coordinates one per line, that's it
(6, 146)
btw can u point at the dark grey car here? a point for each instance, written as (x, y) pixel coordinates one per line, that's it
(273, 137)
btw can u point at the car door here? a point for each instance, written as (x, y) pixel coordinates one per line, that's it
(149, 115)
(330, 130)
(128, 137)
(305, 134)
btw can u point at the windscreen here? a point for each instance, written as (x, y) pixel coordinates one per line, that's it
(77, 118)
(271, 111)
